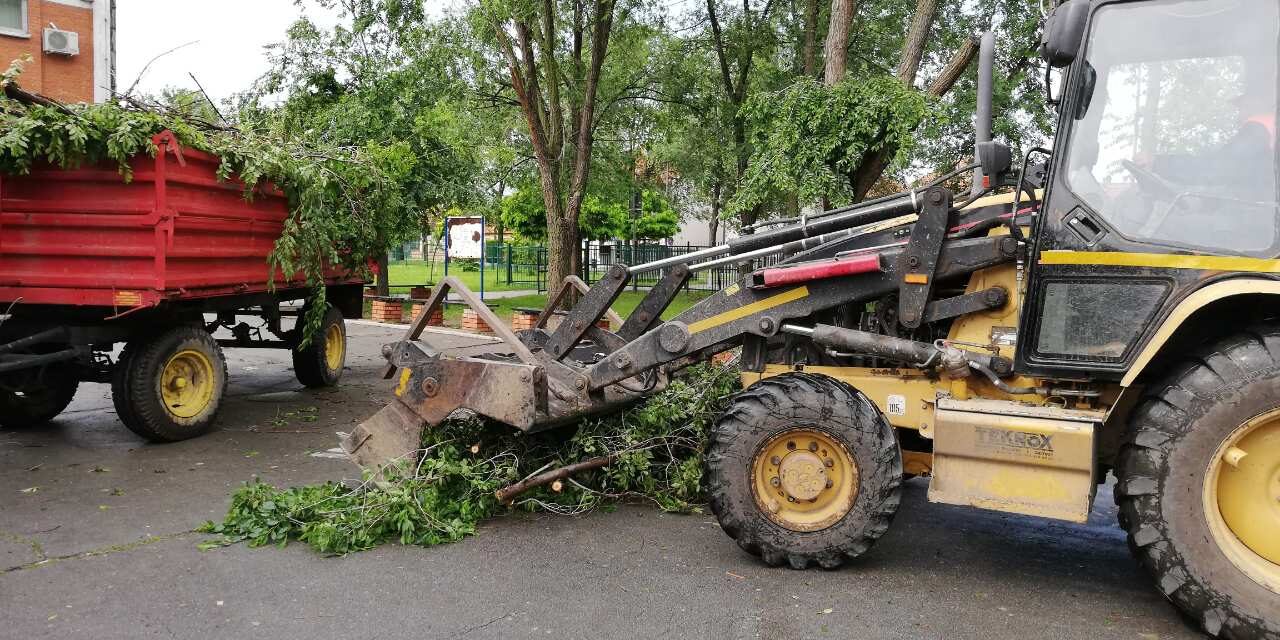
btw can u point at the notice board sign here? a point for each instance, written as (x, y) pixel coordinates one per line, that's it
(465, 237)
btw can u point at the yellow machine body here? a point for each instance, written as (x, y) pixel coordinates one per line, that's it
(985, 451)
(1016, 457)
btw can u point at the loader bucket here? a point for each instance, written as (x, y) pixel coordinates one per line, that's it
(517, 382)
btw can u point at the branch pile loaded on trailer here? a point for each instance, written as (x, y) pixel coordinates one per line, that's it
(155, 229)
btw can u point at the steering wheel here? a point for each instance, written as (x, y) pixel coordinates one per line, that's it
(1151, 182)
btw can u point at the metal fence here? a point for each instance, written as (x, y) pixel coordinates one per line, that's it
(527, 264)
(518, 264)
(598, 257)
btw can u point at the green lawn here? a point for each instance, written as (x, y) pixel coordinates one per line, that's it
(624, 305)
(418, 272)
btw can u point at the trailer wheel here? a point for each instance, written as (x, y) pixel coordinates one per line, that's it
(320, 363)
(803, 469)
(27, 400)
(1199, 486)
(170, 388)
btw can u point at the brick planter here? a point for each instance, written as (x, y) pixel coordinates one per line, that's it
(420, 293)
(437, 318)
(472, 322)
(523, 318)
(386, 310)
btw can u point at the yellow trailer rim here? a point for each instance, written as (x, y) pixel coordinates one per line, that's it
(804, 480)
(187, 383)
(1242, 498)
(334, 346)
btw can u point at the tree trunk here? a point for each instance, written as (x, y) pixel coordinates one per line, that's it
(713, 225)
(917, 36)
(810, 54)
(384, 278)
(748, 217)
(836, 50)
(565, 233)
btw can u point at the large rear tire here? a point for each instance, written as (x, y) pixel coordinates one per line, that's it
(320, 363)
(28, 399)
(1199, 486)
(170, 388)
(803, 469)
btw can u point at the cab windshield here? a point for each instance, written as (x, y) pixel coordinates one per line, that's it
(1175, 139)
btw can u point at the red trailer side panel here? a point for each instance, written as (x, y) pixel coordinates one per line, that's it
(86, 237)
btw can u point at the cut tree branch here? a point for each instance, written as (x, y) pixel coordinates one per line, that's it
(954, 69)
(506, 494)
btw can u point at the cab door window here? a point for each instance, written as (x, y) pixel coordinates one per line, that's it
(1175, 138)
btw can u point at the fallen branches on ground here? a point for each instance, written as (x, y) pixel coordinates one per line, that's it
(652, 451)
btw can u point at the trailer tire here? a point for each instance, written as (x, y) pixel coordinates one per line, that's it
(320, 363)
(1200, 513)
(775, 448)
(38, 403)
(170, 388)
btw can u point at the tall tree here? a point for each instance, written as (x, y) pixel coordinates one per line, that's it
(559, 106)
(753, 36)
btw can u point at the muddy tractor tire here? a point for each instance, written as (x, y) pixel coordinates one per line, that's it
(31, 398)
(1199, 485)
(170, 387)
(803, 469)
(320, 363)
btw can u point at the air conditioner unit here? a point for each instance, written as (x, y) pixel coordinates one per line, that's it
(66, 43)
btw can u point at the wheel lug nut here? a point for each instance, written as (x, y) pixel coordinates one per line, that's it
(791, 446)
(775, 460)
(813, 446)
(774, 481)
(829, 463)
(830, 483)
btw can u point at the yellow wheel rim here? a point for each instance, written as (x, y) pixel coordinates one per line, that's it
(334, 347)
(804, 480)
(187, 383)
(1242, 498)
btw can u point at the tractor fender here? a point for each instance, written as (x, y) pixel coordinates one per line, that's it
(1187, 308)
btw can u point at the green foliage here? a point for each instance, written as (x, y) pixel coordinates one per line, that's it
(600, 219)
(443, 496)
(657, 220)
(525, 213)
(810, 138)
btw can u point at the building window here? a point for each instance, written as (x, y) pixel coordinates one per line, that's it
(13, 18)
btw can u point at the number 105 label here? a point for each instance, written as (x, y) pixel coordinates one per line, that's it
(896, 405)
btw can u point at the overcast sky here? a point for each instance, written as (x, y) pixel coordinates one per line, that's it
(229, 38)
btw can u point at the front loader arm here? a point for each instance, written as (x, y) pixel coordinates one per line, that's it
(740, 309)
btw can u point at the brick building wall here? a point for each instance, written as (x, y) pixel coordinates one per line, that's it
(66, 78)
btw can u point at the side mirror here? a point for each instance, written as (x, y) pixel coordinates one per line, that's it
(1063, 31)
(995, 158)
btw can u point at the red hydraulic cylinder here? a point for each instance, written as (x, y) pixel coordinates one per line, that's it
(778, 276)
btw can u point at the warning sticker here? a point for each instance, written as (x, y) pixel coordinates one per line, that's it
(896, 405)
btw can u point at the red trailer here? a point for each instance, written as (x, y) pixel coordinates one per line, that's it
(159, 263)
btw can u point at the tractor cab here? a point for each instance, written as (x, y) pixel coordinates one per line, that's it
(1164, 176)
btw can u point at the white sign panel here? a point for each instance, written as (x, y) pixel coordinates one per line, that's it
(465, 235)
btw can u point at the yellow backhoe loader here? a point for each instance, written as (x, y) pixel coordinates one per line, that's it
(1110, 306)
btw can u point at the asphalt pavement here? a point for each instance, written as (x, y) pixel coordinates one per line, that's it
(97, 541)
